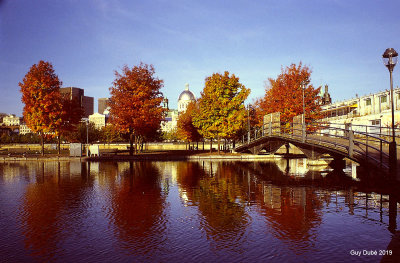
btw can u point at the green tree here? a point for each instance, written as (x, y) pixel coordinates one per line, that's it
(170, 135)
(110, 134)
(84, 132)
(221, 111)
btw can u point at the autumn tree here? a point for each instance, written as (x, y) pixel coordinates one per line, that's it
(110, 134)
(285, 95)
(171, 135)
(185, 128)
(84, 132)
(135, 104)
(221, 111)
(70, 116)
(40, 90)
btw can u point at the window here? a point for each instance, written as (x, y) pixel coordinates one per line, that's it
(376, 122)
(383, 99)
(368, 102)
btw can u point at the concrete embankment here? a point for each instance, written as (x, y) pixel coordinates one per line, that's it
(139, 157)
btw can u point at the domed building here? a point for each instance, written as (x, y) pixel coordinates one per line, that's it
(170, 122)
(185, 98)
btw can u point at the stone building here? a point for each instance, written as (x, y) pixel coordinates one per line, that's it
(11, 120)
(373, 109)
(185, 98)
(326, 97)
(99, 120)
(171, 119)
(24, 129)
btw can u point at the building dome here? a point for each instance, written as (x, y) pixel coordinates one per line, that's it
(185, 98)
(186, 95)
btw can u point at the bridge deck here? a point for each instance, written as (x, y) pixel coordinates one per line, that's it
(372, 151)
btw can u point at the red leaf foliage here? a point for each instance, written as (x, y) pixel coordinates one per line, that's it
(40, 90)
(136, 100)
(285, 95)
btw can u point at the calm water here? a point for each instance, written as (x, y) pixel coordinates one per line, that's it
(189, 212)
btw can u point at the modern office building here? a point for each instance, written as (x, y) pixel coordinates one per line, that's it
(103, 104)
(87, 103)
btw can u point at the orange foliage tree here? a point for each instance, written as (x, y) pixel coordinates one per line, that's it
(40, 90)
(135, 103)
(70, 115)
(221, 111)
(285, 95)
(185, 128)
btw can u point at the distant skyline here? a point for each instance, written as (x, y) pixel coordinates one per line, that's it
(186, 41)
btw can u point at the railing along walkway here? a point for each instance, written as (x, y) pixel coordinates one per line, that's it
(358, 142)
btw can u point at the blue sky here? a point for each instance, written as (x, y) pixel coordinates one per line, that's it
(342, 41)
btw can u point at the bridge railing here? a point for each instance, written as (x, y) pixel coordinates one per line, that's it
(360, 141)
(370, 145)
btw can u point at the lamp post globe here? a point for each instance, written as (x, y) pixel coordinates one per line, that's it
(389, 58)
(303, 85)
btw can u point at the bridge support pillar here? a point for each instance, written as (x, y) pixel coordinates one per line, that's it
(393, 160)
(338, 164)
(351, 142)
(311, 152)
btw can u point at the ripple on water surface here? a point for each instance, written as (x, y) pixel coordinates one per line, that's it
(181, 212)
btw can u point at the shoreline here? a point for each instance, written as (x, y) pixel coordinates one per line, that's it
(147, 157)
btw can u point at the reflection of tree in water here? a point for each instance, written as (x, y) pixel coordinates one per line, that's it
(138, 208)
(45, 209)
(292, 211)
(293, 214)
(224, 218)
(188, 176)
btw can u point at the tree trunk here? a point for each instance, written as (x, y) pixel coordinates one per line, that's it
(136, 143)
(131, 144)
(42, 142)
(211, 145)
(59, 144)
(141, 142)
(197, 146)
(218, 144)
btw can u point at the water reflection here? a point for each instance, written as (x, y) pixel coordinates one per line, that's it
(215, 190)
(45, 211)
(137, 208)
(214, 211)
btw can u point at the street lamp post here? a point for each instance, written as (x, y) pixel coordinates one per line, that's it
(303, 86)
(248, 123)
(303, 125)
(390, 60)
(86, 120)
